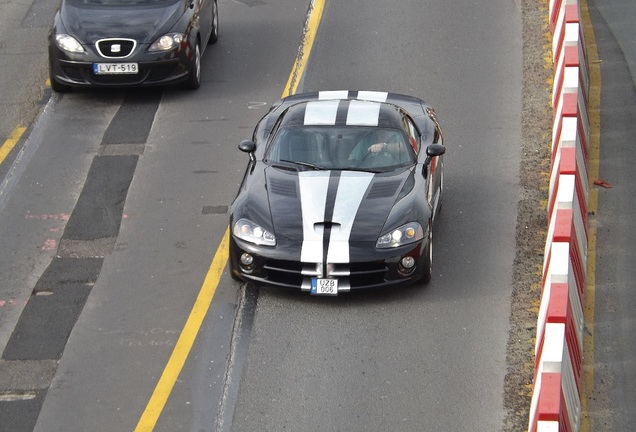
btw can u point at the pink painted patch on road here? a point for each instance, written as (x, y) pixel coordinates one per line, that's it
(58, 216)
(49, 245)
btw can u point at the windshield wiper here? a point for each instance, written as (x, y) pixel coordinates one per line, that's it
(303, 164)
(360, 169)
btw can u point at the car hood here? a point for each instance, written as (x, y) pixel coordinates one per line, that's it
(331, 212)
(89, 23)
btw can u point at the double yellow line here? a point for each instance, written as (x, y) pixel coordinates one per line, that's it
(173, 368)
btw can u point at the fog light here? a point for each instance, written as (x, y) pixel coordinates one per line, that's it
(247, 260)
(408, 262)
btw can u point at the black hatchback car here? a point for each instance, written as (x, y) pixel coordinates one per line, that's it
(125, 43)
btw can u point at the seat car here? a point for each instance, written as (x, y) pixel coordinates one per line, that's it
(125, 43)
(341, 192)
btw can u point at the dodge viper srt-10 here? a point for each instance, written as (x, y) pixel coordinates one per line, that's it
(341, 192)
(124, 43)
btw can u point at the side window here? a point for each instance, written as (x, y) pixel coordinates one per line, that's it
(411, 133)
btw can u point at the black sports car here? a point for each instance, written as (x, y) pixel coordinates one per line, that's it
(121, 43)
(340, 193)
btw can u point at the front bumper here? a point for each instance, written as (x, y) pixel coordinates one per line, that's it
(383, 270)
(155, 68)
(80, 74)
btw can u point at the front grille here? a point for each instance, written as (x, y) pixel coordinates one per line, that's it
(117, 79)
(291, 273)
(115, 48)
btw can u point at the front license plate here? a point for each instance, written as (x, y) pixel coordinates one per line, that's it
(324, 286)
(115, 68)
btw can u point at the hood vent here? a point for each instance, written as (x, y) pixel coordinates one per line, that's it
(384, 189)
(283, 187)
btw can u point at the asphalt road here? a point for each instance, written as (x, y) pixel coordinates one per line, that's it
(610, 357)
(383, 361)
(113, 206)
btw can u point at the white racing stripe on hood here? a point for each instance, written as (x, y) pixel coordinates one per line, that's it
(313, 198)
(351, 190)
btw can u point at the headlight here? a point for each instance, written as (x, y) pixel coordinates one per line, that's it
(68, 43)
(167, 42)
(409, 233)
(250, 232)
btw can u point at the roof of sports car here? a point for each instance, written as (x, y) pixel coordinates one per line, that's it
(344, 108)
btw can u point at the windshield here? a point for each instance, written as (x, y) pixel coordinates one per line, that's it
(345, 147)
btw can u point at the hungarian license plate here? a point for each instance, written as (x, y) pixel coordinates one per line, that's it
(115, 68)
(321, 286)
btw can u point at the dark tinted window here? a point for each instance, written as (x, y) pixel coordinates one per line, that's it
(343, 147)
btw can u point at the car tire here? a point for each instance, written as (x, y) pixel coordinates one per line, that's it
(214, 31)
(194, 77)
(427, 259)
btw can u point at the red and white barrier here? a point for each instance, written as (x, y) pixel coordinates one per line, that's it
(556, 396)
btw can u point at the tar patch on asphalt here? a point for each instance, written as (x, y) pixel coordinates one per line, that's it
(100, 207)
(133, 120)
(50, 313)
(38, 341)
(20, 415)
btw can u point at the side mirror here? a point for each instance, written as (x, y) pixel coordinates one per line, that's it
(248, 146)
(432, 151)
(435, 150)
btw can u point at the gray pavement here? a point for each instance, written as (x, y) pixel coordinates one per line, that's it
(23, 42)
(611, 357)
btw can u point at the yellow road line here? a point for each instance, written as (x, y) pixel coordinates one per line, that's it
(11, 142)
(311, 28)
(186, 339)
(594, 115)
(175, 364)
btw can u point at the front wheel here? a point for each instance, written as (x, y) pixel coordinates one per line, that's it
(214, 31)
(194, 77)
